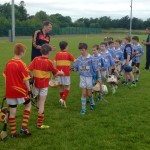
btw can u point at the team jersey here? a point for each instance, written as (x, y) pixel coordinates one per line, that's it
(98, 62)
(63, 61)
(118, 55)
(41, 67)
(110, 50)
(84, 66)
(15, 73)
(137, 49)
(128, 51)
(38, 40)
(108, 60)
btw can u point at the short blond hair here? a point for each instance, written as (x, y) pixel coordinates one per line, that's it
(19, 48)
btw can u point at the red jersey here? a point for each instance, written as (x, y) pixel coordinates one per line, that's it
(15, 73)
(62, 60)
(41, 67)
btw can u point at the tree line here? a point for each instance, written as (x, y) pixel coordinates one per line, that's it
(24, 20)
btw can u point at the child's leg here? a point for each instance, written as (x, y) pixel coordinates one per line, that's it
(83, 101)
(26, 116)
(61, 92)
(42, 99)
(92, 103)
(66, 92)
(12, 119)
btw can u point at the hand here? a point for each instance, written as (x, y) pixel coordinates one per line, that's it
(127, 63)
(61, 72)
(30, 94)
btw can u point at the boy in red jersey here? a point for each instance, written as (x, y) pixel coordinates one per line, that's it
(40, 68)
(17, 89)
(62, 61)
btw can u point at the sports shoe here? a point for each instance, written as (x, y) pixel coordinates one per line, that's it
(43, 127)
(133, 85)
(25, 131)
(99, 98)
(15, 135)
(83, 112)
(113, 91)
(136, 80)
(124, 82)
(63, 103)
(92, 106)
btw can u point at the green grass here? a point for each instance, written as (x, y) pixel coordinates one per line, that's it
(121, 124)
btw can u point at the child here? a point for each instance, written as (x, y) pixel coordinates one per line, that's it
(17, 89)
(118, 56)
(108, 62)
(110, 47)
(128, 60)
(138, 52)
(98, 64)
(84, 66)
(40, 67)
(62, 62)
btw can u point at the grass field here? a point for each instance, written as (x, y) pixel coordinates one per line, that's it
(121, 124)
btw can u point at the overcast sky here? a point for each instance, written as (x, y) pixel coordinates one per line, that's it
(88, 8)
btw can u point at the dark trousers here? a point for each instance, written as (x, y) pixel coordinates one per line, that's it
(147, 58)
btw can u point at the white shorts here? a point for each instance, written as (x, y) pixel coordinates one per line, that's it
(15, 101)
(64, 80)
(40, 91)
(86, 82)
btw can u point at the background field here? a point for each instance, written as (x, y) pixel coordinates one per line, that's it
(121, 124)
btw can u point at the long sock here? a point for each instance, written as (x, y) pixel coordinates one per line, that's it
(137, 77)
(25, 120)
(83, 101)
(91, 100)
(40, 119)
(12, 122)
(61, 94)
(65, 94)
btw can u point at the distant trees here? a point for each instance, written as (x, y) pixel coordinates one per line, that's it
(24, 20)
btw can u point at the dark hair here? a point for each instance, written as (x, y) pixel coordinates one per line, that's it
(96, 46)
(82, 46)
(63, 45)
(103, 43)
(110, 42)
(118, 41)
(128, 38)
(45, 48)
(136, 38)
(46, 23)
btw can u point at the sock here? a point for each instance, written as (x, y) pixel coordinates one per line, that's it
(112, 87)
(65, 94)
(40, 119)
(83, 101)
(61, 94)
(25, 120)
(91, 100)
(12, 122)
(137, 77)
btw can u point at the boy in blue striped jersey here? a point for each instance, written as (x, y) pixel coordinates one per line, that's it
(118, 55)
(110, 47)
(98, 64)
(138, 52)
(108, 62)
(84, 66)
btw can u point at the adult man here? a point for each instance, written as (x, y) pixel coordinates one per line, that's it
(40, 37)
(147, 44)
